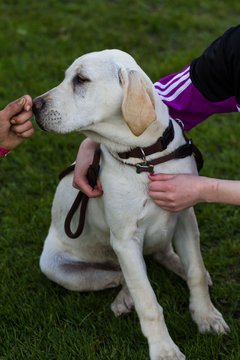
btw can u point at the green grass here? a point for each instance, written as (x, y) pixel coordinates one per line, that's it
(38, 319)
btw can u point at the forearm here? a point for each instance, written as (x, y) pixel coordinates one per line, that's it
(174, 192)
(219, 191)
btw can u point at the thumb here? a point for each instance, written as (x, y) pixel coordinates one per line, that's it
(99, 185)
(28, 102)
(14, 108)
(161, 177)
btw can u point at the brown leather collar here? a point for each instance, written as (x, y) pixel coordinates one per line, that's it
(181, 152)
(160, 145)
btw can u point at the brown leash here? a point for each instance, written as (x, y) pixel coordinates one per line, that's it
(81, 200)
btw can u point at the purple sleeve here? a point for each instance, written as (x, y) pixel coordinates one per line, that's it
(186, 103)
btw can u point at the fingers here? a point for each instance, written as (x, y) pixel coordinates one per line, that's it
(174, 192)
(21, 125)
(21, 118)
(165, 200)
(161, 177)
(27, 133)
(161, 186)
(162, 191)
(161, 197)
(24, 130)
(81, 182)
(88, 190)
(84, 159)
(28, 103)
(17, 106)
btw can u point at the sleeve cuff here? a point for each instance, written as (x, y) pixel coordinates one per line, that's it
(3, 152)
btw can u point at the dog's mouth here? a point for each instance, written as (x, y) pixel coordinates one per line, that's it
(39, 124)
(37, 119)
(47, 120)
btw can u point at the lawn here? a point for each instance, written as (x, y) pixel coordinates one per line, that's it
(40, 320)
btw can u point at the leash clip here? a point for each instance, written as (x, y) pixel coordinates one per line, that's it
(143, 156)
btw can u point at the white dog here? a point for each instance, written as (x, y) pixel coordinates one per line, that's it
(109, 98)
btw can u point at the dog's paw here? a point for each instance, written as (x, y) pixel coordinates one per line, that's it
(210, 321)
(123, 304)
(165, 351)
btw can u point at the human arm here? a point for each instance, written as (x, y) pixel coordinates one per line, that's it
(83, 161)
(178, 192)
(15, 124)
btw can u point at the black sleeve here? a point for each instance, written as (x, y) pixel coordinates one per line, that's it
(216, 73)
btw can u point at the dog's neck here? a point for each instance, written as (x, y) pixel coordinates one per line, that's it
(116, 136)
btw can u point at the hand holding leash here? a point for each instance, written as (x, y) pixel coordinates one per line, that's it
(83, 161)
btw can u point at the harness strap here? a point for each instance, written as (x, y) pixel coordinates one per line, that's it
(81, 199)
(180, 153)
(198, 157)
(195, 151)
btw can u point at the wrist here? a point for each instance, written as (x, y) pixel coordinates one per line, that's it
(208, 190)
(89, 144)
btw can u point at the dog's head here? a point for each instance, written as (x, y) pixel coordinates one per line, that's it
(97, 87)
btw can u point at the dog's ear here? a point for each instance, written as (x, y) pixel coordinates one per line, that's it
(138, 104)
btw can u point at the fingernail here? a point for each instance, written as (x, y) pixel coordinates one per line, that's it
(13, 121)
(21, 101)
(28, 107)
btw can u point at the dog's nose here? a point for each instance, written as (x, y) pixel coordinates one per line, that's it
(38, 104)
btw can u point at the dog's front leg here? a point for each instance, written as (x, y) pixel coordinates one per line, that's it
(186, 241)
(129, 252)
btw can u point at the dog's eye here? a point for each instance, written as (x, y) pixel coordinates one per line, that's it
(79, 80)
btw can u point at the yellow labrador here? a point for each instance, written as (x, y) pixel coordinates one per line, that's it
(109, 98)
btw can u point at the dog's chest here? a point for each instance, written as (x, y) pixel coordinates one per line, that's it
(128, 206)
(129, 210)
(158, 227)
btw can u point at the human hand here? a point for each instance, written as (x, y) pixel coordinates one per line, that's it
(84, 159)
(15, 124)
(175, 192)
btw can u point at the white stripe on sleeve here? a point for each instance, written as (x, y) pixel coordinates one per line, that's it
(164, 86)
(177, 93)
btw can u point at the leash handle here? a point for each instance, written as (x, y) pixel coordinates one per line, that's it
(82, 199)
